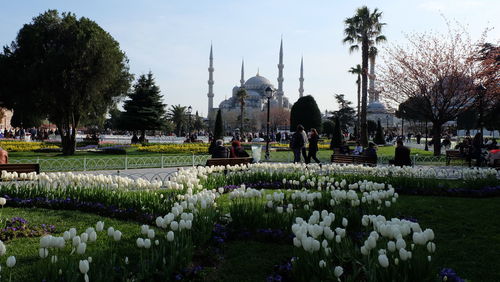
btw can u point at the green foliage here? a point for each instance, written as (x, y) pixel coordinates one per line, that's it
(379, 135)
(372, 127)
(415, 108)
(346, 113)
(65, 68)
(337, 135)
(218, 130)
(328, 127)
(364, 28)
(306, 112)
(144, 110)
(178, 116)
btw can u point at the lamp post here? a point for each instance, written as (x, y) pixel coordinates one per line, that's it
(189, 111)
(269, 95)
(426, 144)
(387, 123)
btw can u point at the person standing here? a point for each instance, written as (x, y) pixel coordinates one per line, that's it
(402, 154)
(297, 143)
(313, 146)
(304, 147)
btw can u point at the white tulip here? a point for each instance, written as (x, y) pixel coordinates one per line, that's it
(111, 231)
(53, 259)
(322, 264)
(84, 237)
(81, 248)
(344, 222)
(174, 225)
(117, 236)
(391, 246)
(147, 243)
(140, 242)
(43, 252)
(93, 236)
(66, 235)
(45, 241)
(431, 247)
(11, 261)
(3, 201)
(72, 232)
(170, 236)
(383, 261)
(338, 271)
(99, 226)
(151, 234)
(76, 241)
(403, 254)
(84, 266)
(144, 229)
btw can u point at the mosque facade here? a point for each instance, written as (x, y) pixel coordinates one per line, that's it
(255, 104)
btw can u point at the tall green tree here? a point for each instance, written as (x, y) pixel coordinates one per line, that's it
(218, 131)
(144, 109)
(306, 112)
(345, 113)
(337, 137)
(67, 69)
(198, 122)
(365, 29)
(177, 114)
(357, 71)
(241, 95)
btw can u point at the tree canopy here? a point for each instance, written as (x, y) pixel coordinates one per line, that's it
(364, 28)
(144, 109)
(65, 68)
(306, 112)
(346, 113)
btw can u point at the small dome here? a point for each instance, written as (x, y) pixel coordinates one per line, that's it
(257, 82)
(376, 107)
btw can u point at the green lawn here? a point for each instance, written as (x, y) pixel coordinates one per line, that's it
(467, 232)
(467, 238)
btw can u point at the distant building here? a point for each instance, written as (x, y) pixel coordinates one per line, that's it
(256, 102)
(376, 111)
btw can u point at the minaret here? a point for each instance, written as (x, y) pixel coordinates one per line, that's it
(279, 93)
(210, 82)
(242, 79)
(301, 79)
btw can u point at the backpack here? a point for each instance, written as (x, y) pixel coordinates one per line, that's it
(297, 140)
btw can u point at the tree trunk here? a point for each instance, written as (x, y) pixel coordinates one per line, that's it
(359, 105)
(436, 138)
(68, 141)
(364, 89)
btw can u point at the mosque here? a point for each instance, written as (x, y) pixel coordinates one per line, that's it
(256, 101)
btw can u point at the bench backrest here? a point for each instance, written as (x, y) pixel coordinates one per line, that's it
(228, 161)
(453, 153)
(353, 159)
(20, 168)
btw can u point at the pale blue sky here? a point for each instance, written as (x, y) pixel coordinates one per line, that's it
(172, 38)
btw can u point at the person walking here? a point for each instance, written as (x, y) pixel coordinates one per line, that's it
(313, 146)
(297, 143)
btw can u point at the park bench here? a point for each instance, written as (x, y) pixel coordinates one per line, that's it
(455, 155)
(353, 159)
(20, 168)
(228, 161)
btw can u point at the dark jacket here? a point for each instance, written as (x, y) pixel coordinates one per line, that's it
(370, 152)
(297, 141)
(219, 152)
(313, 143)
(402, 156)
(238, 152)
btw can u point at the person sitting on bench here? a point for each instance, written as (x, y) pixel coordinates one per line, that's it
(237, 150)
(371, 151)
(401, 154)
(219, 152)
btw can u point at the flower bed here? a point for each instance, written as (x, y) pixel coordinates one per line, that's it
(339, 222)
(22, 146)
(193, 148)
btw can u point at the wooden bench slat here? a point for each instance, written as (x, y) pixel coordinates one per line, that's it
(20, 168)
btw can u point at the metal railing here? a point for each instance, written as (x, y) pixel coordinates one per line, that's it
(114, 163)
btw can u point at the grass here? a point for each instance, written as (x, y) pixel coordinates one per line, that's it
(26, 249)
(467, 232)
(467, 238)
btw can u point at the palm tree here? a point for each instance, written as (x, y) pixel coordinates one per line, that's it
(241, 95)
(364, 29)
(177, 114)
(357, 71)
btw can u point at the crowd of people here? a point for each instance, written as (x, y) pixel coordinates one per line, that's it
(482, 150)
(21, 133)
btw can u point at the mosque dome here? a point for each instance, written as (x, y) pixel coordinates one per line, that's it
(257, 82)
(376, 107)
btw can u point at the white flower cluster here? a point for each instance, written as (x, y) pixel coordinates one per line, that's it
(244, 192)
(309, 233)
